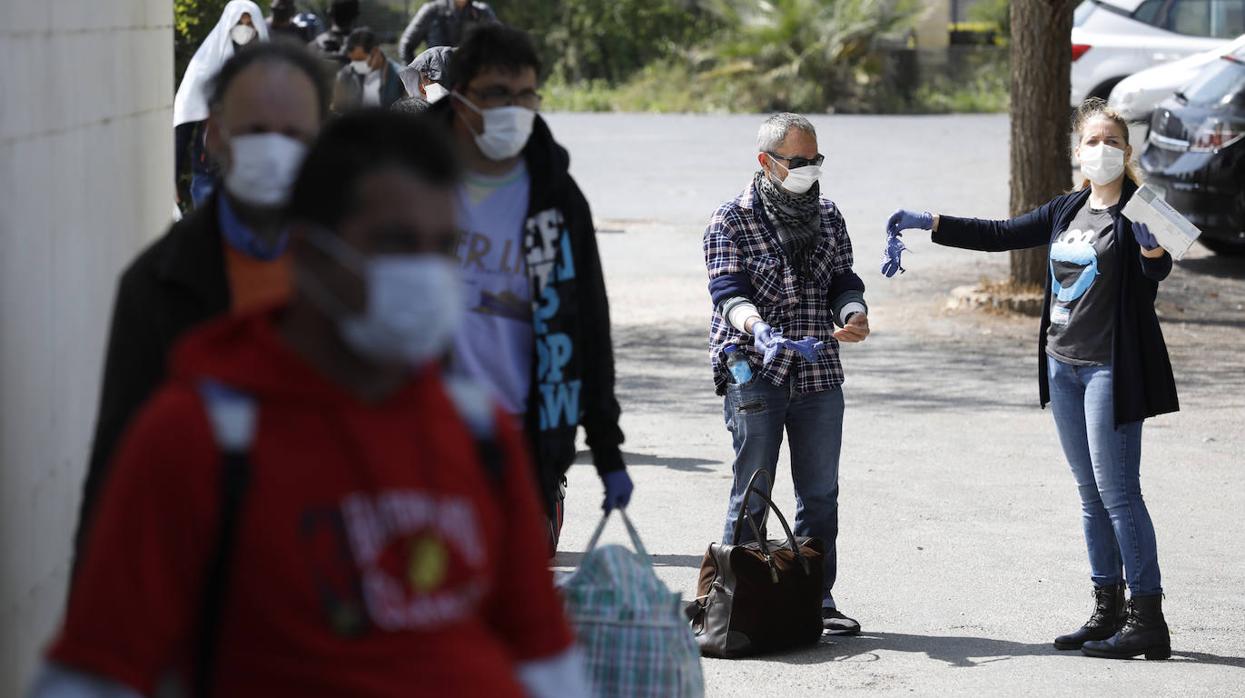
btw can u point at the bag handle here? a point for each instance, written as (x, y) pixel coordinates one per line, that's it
(743, 509)
(744, 513)
(635, 537)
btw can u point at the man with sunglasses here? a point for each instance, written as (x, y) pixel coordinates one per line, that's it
(537, 330)
(781, 279)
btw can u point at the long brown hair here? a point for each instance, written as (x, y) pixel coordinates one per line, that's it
(1094, 108)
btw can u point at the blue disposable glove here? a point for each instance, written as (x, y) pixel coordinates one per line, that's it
(618, 489)
(1144, 237)
(902, 220)
(809, 347)
(767, 340)
(892, 258)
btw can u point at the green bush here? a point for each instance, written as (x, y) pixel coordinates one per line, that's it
(610, 40)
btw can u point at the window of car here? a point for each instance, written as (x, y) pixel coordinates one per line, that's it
(1220, 19)
(1221, 81)
(1148, 11)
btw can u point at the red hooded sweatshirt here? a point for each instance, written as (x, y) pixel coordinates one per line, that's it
(374, 556)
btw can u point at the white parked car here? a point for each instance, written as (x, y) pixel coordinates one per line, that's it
(1113, 39)
(1136, 96)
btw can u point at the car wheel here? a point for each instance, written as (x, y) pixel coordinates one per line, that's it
(1224, 247)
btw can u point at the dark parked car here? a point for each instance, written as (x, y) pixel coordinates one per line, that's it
(1195, 154)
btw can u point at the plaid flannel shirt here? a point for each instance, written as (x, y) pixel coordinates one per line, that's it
(740, 242)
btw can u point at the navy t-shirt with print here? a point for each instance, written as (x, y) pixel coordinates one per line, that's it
(1083, 301)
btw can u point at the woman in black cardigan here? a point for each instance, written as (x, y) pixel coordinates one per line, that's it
(1103, 366)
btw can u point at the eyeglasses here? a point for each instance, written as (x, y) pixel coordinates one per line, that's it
(495, 97)
(798, 162)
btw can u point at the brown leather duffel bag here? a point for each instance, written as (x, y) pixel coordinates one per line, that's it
(761, 596)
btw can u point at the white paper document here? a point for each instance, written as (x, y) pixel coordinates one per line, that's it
(1173, 231)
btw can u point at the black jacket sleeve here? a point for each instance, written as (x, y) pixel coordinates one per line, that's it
(1032, 229)
(601, 411)
(133, 369)
(1156, 269)
(416, 32)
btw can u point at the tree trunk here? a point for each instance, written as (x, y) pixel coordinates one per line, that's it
(1041, 165)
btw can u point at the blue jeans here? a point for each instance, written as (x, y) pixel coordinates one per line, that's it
(1106, 463)
(756, 414)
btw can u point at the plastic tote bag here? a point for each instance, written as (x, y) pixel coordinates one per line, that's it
(630, 627)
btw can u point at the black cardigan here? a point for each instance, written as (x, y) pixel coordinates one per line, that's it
(178, 282)
(1144, 384)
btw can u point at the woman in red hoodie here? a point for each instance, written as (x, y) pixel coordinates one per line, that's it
(306, 508)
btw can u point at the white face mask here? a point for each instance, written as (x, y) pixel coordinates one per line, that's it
(360, 67)
(433, 92)
(1102, 164)
(800, 179)
(415, 303)
(506, 130)
(262, 168)
(242, 34)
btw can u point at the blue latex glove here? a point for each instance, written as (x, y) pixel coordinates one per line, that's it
(1144, 237)
(892, 258)
(618, 489)
(900, 221)
(767, 340)
(809, 347)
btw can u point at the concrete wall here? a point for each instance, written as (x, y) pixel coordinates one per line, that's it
(86, 93)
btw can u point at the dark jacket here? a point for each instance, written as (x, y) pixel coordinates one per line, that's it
(440, 23)
(573, 383)
(1144, 384)
(176, 283)
(348, 92)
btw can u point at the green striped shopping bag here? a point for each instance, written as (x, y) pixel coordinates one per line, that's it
(631, 628)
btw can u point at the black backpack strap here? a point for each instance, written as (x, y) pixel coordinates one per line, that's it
(475, 406)
(232, 415)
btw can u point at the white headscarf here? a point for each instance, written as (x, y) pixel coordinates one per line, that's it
(190, 104)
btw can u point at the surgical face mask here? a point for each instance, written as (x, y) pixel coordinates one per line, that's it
(262, 168)
(506, 129)
(433, 92)
(242, 34)
(360, 67)
(415, 303)
(1102, 164)
(800, 179)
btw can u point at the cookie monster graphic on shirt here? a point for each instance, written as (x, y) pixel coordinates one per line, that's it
(1073, 253)
(1083, 288)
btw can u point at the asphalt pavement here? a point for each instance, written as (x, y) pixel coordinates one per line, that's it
(960, 549)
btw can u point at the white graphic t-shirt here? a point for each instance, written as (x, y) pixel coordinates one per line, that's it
(496, 341)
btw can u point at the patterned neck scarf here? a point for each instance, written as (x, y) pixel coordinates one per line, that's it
(797, 217)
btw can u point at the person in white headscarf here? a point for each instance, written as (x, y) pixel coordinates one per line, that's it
(241, 23)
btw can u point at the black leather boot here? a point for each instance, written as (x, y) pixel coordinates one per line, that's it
(1145, 632)
(1106, 620)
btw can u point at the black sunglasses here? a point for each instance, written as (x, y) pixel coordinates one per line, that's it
(797, 162)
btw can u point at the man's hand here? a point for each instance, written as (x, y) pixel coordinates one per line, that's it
(618, 489)
(856, 330)
(767, 340)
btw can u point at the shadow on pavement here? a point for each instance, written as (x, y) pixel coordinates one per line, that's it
(694, 465)
(572, 560)
(1218, 266)
(897, 372)
(955, 650)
